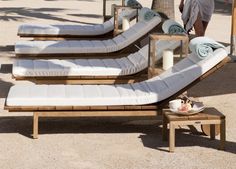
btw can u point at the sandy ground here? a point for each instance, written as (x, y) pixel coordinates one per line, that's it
(108, 143)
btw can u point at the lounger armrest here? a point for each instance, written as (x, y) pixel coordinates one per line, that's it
(153, 38)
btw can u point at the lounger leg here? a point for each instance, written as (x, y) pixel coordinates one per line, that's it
(35, 125)
(212, 131)
(222, 135)
(172, 137)
(164, 129)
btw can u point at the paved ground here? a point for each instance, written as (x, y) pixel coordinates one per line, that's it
(107, 143)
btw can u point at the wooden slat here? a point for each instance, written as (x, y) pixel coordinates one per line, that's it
(97, 113)
(199, 116)
(98, 108)
(81, 108)
(116, 108)
(174, 117)
(64, 107)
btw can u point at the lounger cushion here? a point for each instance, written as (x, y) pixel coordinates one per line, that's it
(84, 30)
(88, 46)
(131, 64)
(147, 92)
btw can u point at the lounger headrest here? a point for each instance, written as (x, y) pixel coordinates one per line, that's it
(146, 14)
(204, 47)
(172, 27)
(133, 3)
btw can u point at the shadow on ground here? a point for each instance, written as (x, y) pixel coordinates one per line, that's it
(4, 88)
(86, 15)
(150, 137)
(6, 68)
(219, 83)
(223, 8)
(7, 48)
(184, 138)
(23, 13)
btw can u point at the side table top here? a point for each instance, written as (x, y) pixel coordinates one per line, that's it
(209, 113)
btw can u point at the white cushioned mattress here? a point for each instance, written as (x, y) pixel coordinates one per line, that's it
(85, 30)
(88, 46)
(131, 64)
(146, 92)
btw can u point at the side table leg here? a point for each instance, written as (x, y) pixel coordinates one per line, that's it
(212, 131)
(222, 134)
(164, 128)
(172, 137)
(35, 125)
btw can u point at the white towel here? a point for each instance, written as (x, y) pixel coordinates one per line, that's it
(193, 7)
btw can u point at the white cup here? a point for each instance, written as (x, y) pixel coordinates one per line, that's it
(175, 104)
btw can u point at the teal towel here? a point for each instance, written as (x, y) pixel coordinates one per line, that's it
(133, 3)
(176, 29)
(148, 15)
(204, 46)
(172, 27)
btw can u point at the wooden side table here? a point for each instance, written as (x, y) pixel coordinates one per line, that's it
(209, 116)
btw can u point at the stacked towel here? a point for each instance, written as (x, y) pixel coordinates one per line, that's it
(204, 46)
(133, 3)
(172, 27)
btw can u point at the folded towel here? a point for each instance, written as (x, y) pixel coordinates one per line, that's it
(172, 27)
(146, 14)
(204, 46)
(133, 3)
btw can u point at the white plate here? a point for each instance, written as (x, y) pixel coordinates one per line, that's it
(197, 107)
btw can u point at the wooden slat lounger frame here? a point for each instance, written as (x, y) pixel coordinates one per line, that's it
(104, 111)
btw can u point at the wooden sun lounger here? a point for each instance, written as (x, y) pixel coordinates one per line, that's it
(105, 111)
(128, 49)
(106, 35)
(119, 79)
(121, 44)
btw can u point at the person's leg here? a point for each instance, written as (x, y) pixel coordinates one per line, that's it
(199, 26)
(205, 24)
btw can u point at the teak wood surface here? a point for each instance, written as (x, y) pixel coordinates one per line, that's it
(209, 116)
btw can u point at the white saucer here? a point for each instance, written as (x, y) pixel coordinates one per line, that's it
(197, 107)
